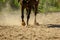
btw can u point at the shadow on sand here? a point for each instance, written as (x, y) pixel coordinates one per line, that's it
(54, 26)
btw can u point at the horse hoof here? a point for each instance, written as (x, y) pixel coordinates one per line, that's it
(23, 23)
(37, 24)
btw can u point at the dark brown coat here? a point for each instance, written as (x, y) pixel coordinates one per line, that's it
(28, 5)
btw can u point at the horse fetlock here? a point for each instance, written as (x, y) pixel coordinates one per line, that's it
(36, 23)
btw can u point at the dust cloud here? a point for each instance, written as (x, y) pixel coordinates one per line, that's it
(8, 16)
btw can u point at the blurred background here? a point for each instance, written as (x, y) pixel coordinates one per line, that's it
(44, 5)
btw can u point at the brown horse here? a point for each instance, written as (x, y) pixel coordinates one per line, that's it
(28, 5)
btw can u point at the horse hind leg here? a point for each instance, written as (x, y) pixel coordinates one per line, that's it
(22, 16)
(36, 11)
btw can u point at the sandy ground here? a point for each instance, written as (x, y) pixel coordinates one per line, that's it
(29, 33)
(11, 29)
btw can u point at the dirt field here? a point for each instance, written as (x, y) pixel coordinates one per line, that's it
(29, 33)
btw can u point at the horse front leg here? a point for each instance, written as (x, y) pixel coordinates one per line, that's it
(28, 14)
(22, 16)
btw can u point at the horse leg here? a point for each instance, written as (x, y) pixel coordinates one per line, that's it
(22, 16)
(27, 11)
(36, 11)
(28, 14)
